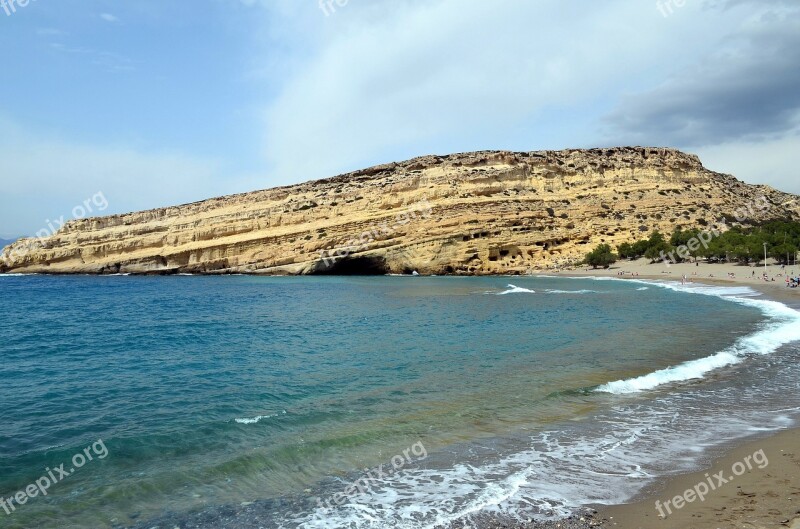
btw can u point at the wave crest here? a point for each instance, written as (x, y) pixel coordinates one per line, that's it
(512, 289)
(782, 327)
(258, 418)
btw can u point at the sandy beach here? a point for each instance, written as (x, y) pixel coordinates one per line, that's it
(705, 273)
(764, 496)
(760, 498)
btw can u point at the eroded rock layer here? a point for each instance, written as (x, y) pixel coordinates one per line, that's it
(474, 213)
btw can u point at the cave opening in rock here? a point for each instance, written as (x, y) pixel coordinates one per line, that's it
(357, 266)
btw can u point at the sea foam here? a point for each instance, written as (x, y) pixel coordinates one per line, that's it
(258, 418)
(781, 327)
(585, 291)
(512, 289)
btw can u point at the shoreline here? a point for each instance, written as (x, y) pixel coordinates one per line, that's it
(764, 496)
(718, 274)
(760, 498)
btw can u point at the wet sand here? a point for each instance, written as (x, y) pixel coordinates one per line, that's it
(765, 496)
(761, 498)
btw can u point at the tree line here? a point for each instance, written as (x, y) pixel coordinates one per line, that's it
(739, 244)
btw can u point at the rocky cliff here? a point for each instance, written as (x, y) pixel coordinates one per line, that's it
(474, 213)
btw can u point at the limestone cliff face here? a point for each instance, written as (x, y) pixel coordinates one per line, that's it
(474, 213)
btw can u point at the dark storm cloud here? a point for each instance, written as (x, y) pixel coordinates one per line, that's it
(748, 89)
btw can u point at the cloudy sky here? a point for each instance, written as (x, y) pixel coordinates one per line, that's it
(159, 102)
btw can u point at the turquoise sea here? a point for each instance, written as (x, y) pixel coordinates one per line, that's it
(370, 402)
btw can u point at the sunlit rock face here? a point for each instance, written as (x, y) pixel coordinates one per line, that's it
(474, 213)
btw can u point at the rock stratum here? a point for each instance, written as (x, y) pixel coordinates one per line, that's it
(475, 213)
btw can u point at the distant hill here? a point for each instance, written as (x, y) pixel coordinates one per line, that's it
(489, 212)
(6, 242)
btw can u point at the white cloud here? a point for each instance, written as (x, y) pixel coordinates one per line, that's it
(383, 80)
(46, 177)
(773, 162)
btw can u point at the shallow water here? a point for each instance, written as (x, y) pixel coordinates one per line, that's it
(531, 397)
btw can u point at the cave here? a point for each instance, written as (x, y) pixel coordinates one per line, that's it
(357, 266)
